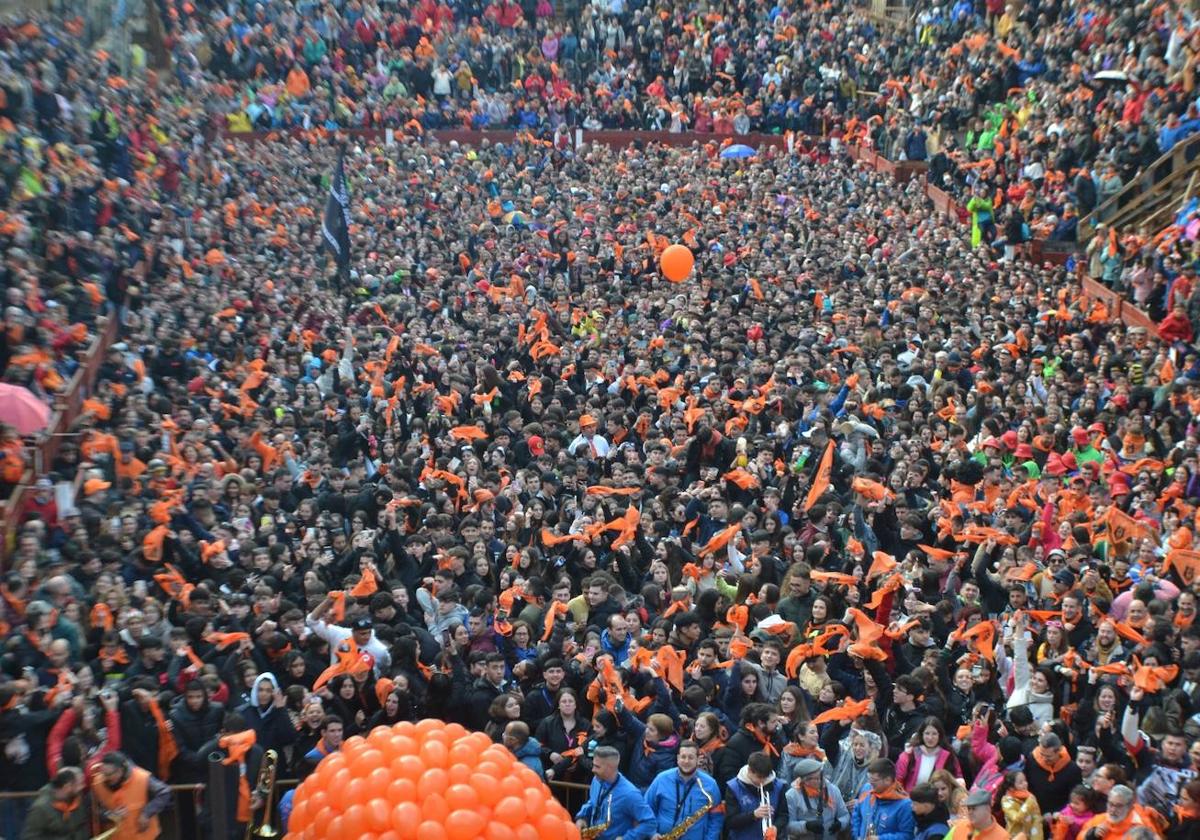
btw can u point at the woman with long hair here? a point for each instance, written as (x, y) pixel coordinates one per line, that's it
(562, 736)
(951, 792)
(706, 732)
(505, 708)
(806, 745)
(744, 688)
(928, 751)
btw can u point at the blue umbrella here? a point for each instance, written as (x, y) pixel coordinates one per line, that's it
(737, 152)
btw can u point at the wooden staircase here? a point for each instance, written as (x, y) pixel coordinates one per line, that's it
(1149, 202)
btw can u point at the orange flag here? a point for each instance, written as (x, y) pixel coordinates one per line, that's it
(890, 585)
(1185, 562)
(1123, 528)
(1151, 679)
(721, 539)
(550, 539)
(848, 711)
(468, 433)
(224, 640)
(152, 544)
(881, 564)
(863, 650)
(670, 663)
(834, 577)
(873, 490)
(369, 585)
(984, 636)
(741, 478)
(601, 490)
(822, 478)
(350, 660)
(868, 630)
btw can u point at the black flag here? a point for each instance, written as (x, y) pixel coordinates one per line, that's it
(336, 225)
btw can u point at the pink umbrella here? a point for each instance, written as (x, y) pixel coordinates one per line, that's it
(20, 408)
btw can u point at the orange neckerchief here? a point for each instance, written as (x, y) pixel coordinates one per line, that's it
(1017, 794)
(167, 748)
(66, 807)
(805, 752)
(893, 793)
(766, 744)
(14, 603)
(236, 747)
(1039, 755)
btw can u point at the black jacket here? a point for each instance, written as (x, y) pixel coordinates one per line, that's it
(192, 731)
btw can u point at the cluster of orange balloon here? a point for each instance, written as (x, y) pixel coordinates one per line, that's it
(426, 781)
(676, 263)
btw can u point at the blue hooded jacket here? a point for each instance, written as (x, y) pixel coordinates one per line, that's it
(892, 819)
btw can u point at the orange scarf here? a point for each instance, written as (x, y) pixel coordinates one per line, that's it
(893, 793)
(167, 748)
(766, 744)
(1017, 794)
(236, 747)
(1039, 755)
(802, 751)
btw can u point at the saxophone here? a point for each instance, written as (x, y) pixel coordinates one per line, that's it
(593, 831)
(682, 829)
(693, 818)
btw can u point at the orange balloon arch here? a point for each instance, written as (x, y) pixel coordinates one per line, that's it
(426, 781)
(676, 263)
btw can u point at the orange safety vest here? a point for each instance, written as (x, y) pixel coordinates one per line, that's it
(132, 796)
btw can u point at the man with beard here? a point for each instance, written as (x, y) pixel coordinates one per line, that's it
(59, 813)
(130, 798)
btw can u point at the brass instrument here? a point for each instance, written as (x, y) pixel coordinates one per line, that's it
(693, 818)
(593, 831)
(682, 829)
(265, 787)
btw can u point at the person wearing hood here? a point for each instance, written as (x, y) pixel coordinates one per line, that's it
(56, 813)
(883, 809)
(931, 815)
(267, 715)
(527, 749)
(816, 809)
(850, 758)
(196, 720)
(755, 801)
(615, 639)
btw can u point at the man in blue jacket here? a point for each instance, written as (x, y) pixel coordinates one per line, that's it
(614, 803)
(678, 793)
(883, 808)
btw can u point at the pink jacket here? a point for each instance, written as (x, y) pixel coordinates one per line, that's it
(909, 765)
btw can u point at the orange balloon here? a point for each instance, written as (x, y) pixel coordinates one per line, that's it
(434, 780)
(411, 767)
(354, 821)
(298, 820)
(368, 761)
(676, 263)
(486, 789)
(434, 807)
(379, 815)
(426, 781)
(435, 754)
(552, 827)
(405, 818)
(401, 790)
(379, 779)
(430, 830)
(510, 810)
(461, 797)
(464, 825)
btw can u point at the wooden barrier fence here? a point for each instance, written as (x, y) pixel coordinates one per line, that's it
(64, 412)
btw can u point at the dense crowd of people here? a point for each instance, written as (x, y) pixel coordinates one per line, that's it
(869, 526)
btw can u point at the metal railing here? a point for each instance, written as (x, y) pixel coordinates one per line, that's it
(186, 799)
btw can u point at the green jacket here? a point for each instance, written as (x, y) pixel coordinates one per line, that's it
(45, 822)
